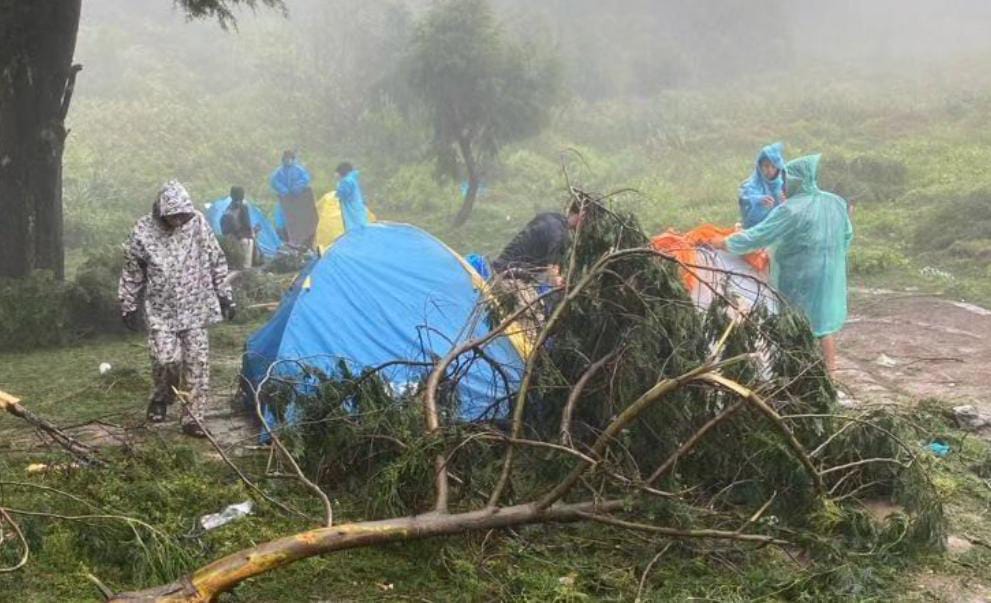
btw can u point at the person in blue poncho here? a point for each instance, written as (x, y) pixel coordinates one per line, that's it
(350, 197)
(808, 239)
(291, 182)
(764, 190)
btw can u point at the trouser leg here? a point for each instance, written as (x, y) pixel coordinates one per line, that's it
(166, 360)
(248, 247)
(195, 372)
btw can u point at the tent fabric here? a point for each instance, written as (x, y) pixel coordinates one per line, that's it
(808, 238)
(266, 239)
(685, 248)
(754, 189)
(381, 294)
(330, 220)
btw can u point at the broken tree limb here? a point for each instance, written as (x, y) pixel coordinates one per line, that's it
(678, 533)
(750, 396)
(85, 453)
(5, 518)
(207, 583)
(628, 416)
(431, 415)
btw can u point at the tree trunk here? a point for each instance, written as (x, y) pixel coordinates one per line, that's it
(474, 180)
(37, 41)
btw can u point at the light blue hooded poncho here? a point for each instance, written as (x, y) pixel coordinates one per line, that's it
(754, 189)
(352, 201)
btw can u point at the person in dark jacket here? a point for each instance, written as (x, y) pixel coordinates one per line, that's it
(236, 224)
(540, 248)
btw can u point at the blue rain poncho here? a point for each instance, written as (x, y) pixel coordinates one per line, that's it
(808, 238)
(352, 201)
(757, 187)
(290, 179)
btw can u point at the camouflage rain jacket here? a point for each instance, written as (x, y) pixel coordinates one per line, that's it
(180, 272)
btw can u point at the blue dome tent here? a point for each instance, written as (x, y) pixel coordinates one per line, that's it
(381, 294)
(267, 240)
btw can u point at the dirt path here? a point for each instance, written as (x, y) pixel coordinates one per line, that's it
(899, 347)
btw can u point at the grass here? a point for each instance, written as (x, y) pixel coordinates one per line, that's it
(173, 480)
(685, 154)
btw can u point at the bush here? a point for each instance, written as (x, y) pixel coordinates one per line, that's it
(33, 312)
(964, 218)
(256, 287)
(865, 262)
(864, 178)
(93, 307)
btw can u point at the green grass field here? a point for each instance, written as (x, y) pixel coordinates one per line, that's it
(923, 184)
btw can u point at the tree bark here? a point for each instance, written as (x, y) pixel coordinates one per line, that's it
(474, 180)
(37, 41)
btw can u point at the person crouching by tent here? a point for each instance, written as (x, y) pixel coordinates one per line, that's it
(291, 182)
(764, 190)
(539, 249)
(351, 198)
(531, 264)
(808, 238)
(236, 224)
(173, 261)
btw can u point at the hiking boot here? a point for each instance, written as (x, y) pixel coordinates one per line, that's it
(156, 412)
(193, 430)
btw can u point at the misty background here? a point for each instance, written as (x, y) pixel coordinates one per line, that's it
(672, 98)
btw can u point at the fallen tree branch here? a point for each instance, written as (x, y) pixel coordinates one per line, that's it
(184, 397)
(5, 517)
(278, 445)
(630, 414)
(85, 453)
(431, 415)
(207, 583)
(776, 419)
(679, 533)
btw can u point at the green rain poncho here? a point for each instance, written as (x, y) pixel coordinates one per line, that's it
(808, 238)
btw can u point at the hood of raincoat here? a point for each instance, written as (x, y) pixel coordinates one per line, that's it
(773, 153)
(173, 200)
(803, 175)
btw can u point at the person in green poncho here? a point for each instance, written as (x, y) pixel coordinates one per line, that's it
(808, 238)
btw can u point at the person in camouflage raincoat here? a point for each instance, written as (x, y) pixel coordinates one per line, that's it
(174, 264)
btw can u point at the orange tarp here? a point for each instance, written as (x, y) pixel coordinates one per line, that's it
(684, 248)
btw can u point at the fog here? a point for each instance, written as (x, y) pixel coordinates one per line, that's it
(628, 47)
(645, 83)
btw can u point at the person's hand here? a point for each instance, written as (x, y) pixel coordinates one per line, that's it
(718, 242)
(132, 320)
(767, 202)
(228, 308)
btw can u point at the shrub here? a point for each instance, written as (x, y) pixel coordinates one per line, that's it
(963, 218)
(865, 262)
(33, 312)
(93, 307)
(864, 178)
